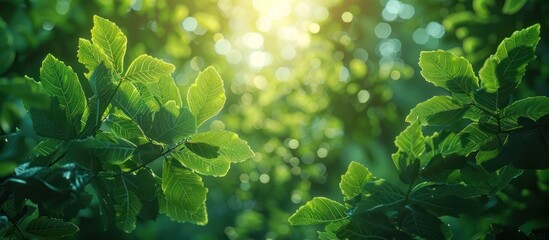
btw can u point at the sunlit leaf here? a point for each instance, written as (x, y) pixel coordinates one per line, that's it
(124, 127)
(230, 145)
(128, 99)
(181, 214)
(206, 96)
(148, 69)
(110, 40)
(218, 166)
(319, 210)
(91, 56)
(60, 81)
(165, 90)
(51, 227)
(182, 187)
(354, 179)
(439, 110)
(448, 71)
(411, 140)
(532, 108)
(503, 71)
(172, 124)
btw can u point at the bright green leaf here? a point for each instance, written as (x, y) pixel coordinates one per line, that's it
(206, 96)
(503, 71)
(214, 167)
(50, 227)
(181, 214)
(148, 69)
(107, 37)
(182, 187)
(448, 71)
(411, 140)
(60, 81)
(319, 210)
(354, 179)
(230, 146)
(512, 6)
(165, 90)
(439, 110)
(128, 99)
(532, 108)
(203, 149)
(172, 124)
(91, 56)
(124, 127)
(474, 137)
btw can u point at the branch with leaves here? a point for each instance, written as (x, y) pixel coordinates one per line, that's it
(105, 130)
(447, 173)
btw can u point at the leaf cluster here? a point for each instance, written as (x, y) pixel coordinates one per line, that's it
(97, 136)
(448, 173)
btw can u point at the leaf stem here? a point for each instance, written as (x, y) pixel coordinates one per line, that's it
(154, 159)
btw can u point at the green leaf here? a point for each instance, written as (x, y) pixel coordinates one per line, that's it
(103, 89)
(129, 100)
(52, 122)
(532, 108)
(230, 146)
(203, 149)
(512, 6)
(408, 167)
(330, 230)
(127, 205)
(50, 227)
(110, 40)
(45, 148)
(206, 166)
(7, 47)
(503, 71)
(419, 222)
(111, 150)
(206, 96)
(60, 81)
(148, 69)
(182, 187)
(379, 194)
(411, 140)
(6, 168)
(165, 90)
(354, 179)
(124, 127)
(448, 71)
(319, 210)
(474, 137)
(439, 110)
(172, 124)
(142, 183)
(91, 56)
(180, 214)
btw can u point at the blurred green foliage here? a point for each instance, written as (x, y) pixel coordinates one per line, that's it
(312, 85)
